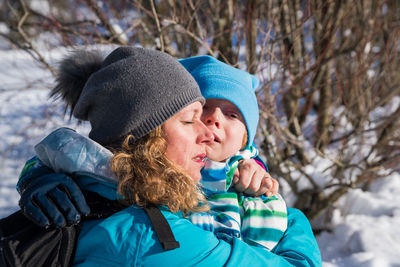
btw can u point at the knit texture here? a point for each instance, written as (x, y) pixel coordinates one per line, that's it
(222, 81)
(133, 92)
(259, 221)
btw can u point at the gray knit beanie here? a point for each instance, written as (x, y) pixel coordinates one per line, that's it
(132, 91)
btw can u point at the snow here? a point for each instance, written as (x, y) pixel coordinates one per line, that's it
(26, 116)
(365, 224)
(366, 231)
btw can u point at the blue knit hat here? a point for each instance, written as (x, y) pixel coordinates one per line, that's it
(222, 81)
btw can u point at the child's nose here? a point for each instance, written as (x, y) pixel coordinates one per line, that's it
(213, 118)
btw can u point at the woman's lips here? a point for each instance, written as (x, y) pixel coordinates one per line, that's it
(200, 158)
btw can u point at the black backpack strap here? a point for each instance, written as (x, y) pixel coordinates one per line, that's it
(162, 228)
(101, 207)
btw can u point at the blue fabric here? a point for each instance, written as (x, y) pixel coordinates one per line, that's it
(222, 81)
(66, 151)
(128, 239)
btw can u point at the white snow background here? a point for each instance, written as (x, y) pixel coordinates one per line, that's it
(366, 225)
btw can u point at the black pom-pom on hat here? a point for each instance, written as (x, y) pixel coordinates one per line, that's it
(73, 73)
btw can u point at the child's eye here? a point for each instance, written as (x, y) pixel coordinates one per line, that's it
(187, 122)
(232, 115)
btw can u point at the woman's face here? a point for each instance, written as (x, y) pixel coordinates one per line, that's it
(187, 138)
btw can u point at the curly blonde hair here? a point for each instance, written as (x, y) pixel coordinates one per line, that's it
(146, 176)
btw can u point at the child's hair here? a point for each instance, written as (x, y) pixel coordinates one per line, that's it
(146, 176)
(245, 140)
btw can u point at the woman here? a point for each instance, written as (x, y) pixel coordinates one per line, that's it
(158, 106)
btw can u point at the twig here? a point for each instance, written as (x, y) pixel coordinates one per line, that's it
(103, 18)
(29, 45)
(153, 9)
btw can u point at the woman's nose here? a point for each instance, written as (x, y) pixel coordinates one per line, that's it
(206, 136)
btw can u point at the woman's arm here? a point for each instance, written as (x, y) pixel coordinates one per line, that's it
(298, 245)
(37, 179)
(128, 237)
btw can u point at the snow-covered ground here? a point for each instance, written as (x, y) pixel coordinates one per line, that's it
(366, 225)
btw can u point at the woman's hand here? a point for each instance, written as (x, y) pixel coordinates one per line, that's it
(53, 199)
(252, 179)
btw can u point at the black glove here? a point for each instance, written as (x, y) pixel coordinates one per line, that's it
(53, 199)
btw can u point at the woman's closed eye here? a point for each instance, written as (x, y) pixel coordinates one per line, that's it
(189, 121)
(190, 118)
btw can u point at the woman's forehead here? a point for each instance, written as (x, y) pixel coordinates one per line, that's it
(194, 108)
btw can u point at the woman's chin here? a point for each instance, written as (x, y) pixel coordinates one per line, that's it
(196, 177)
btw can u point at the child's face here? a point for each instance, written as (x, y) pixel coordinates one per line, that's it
(226, 122)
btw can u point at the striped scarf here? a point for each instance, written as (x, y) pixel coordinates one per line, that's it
(259, 221)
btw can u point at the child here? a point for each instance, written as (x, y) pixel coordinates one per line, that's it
(231, 113)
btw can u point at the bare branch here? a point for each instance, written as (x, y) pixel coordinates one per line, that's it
(29, 46)
(106, 22)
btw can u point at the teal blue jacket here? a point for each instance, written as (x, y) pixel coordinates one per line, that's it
(127, 238)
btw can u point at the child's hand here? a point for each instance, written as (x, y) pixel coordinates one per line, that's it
(272, 185)
(252, 179)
